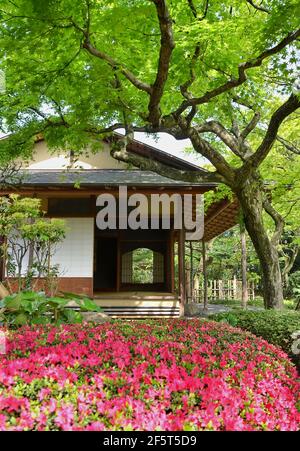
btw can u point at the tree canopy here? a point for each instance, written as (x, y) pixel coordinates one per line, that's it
(84, 66)
(221, 73)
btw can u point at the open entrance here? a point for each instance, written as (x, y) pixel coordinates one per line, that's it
(133, 261)
(106, 257)
(143, 268)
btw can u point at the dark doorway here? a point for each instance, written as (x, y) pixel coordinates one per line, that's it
(106, 256)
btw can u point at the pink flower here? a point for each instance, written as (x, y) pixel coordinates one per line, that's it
(164, 375)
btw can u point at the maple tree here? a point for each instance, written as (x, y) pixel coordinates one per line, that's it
(213, 72)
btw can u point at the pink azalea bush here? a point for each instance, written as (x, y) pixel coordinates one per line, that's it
(156, 375)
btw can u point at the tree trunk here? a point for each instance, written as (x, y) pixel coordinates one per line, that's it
(244, 264)
(251, 200)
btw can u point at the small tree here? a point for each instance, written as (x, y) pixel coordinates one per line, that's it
(29, 242)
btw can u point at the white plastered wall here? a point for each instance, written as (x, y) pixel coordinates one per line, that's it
(44, 159)
(75, 253)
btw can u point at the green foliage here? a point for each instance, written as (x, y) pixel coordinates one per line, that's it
(288, 304)
(220, 193)
(295, 285)
(224, 258)
(225, 255)
(57, 86)
(281, 174)
(31, 307)
(47, 69)
(26, 230)
(142, 266)
(274, 326)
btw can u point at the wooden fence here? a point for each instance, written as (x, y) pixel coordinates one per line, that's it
(222, 290)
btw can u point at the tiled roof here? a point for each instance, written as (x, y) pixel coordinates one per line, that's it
(100, 177)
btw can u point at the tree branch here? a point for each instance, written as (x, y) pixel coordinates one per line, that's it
(251, 126)
(116, 65)
(220, 131)
(108, 59)
(278, 220)
(166, 49)
(194, 10)
(289, 258)
(277, 118)
(288, 145)
(10, 175)
(235, 82)
(48, 120)
(120, 153)
(184, 87)
(219, 162)
(144, 129)
(258, 7)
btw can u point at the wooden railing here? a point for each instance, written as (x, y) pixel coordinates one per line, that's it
(223, 290)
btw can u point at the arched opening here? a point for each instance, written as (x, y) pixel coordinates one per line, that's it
(142, 267)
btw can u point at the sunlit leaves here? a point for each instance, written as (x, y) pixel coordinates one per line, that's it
(47, 68)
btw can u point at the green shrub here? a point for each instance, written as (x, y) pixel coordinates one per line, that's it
(288, 304)
(30, 307)
(294, 281)
(276, 327)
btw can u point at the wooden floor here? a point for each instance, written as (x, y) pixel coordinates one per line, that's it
(138, 304)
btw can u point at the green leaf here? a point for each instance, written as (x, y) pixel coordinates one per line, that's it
(12, 302)
(21, 319)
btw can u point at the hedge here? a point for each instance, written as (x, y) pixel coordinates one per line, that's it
(274, 326)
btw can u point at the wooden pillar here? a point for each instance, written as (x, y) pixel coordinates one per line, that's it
(94, 213)
(205, 292)
(181, 269)
(191, 271)
(244, 265)
(187, 281)
(234, 282)
(171, 262)
(119, 265)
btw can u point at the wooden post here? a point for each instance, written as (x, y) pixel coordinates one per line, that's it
(181, 272)
(169, 264)
(234, 286)
(119, 265)
(172, 262)
(205, 291)
(244, 265)
(191, 271)
(221, 290)
(187, 281)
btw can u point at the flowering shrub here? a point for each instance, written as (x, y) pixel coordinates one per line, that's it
(155, 375)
